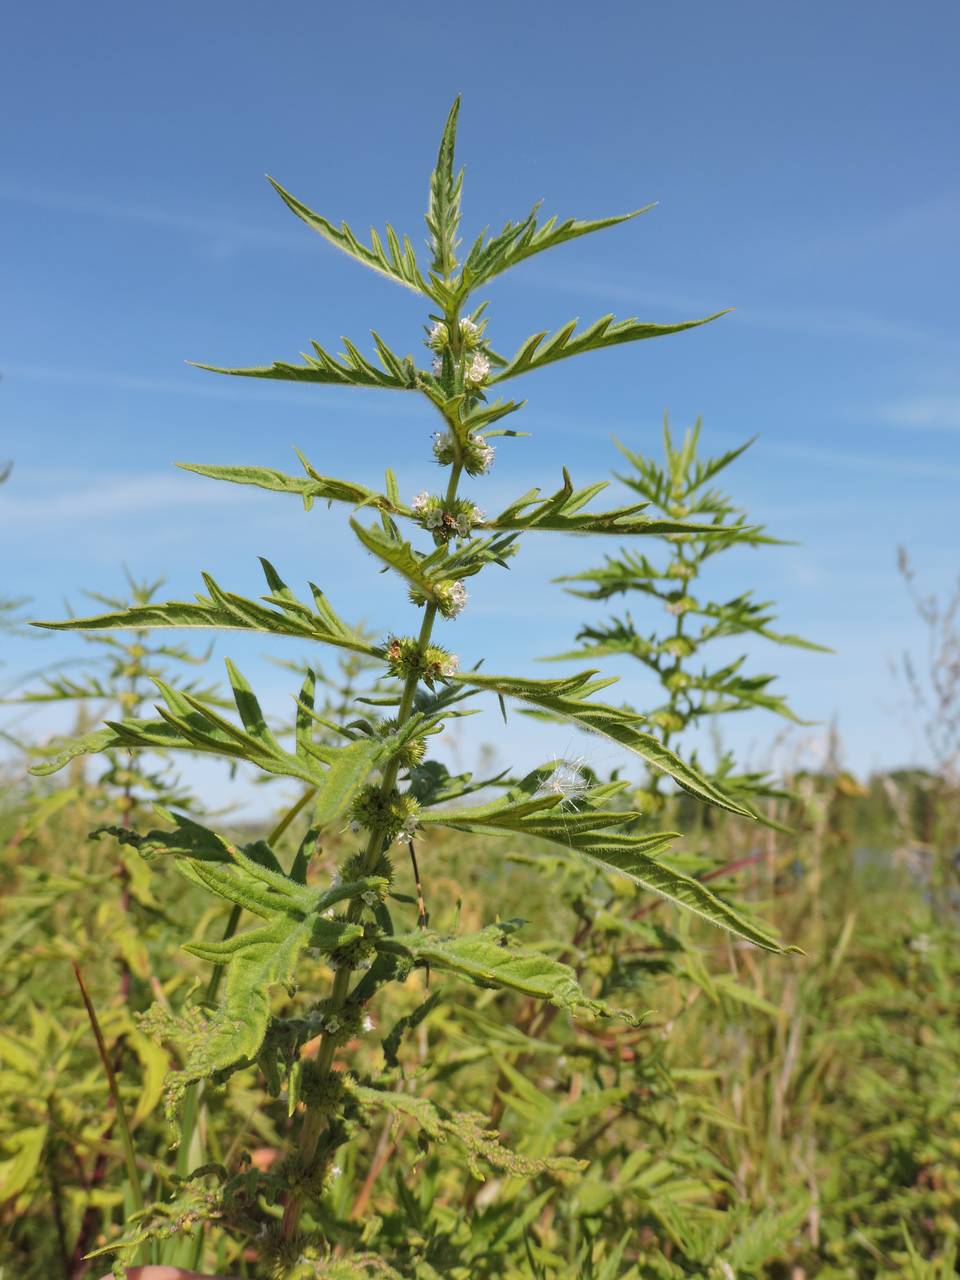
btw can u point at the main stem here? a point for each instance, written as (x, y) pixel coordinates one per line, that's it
(313, 1121)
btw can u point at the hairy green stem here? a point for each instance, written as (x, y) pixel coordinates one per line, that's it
(313, 1123)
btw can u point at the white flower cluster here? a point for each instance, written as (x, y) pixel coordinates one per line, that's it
(485, 455)
(450, 665)
(477, 370)
(407, 831)
(469, 331)
(428, 509)
(456, 599)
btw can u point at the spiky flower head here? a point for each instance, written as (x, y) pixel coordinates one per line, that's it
(385, 813)
(470, 332)
(433, 664)
(443, 448)
(439, 336)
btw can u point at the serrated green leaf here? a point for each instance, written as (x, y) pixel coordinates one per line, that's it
(489, 959)
(490, 256)
(545, 348)
(443, 209)
(611, 722)
(586, 830)
(395, 261)
(222, 610)
(348, 368)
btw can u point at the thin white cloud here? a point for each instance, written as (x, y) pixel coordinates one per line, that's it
(865, 461)
(227, 235)
(828, 322)
(202, 385)
(922, 413)
(94, 499)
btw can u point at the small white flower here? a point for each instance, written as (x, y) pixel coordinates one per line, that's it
(469, 329)
(485, 455)
(476, 515)
(676, 608)
(436, 366)
(354, 826)
(332, 1025)
(450, 665)
(408, 830)
(438, 334)
(420, 501)
(477, 370)
(367, 1022)
(335, 1172)
(455, 600)
(370, 897)
(443, 449)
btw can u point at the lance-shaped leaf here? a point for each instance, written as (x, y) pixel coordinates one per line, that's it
(562, 513)
(399, 556)
(481, 1145)
(532, 809)
(308, 487)
(743, 614)
(348, 368)
(491, 255)
(726, 690)
(545, 347)
(224, 611)
(425, 573)
(443, 209)
(187, 724)
(568, 701)
(395, 260)
(490, 959)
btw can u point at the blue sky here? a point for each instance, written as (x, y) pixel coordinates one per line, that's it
(804, 158)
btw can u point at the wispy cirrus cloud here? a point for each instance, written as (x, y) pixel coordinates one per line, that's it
(829, 321)
(922, 413)
(225, 234)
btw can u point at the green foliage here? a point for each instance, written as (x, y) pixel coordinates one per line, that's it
(631, 1092)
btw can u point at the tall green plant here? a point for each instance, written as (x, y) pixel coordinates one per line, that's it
(695, 690)
(376, 776)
